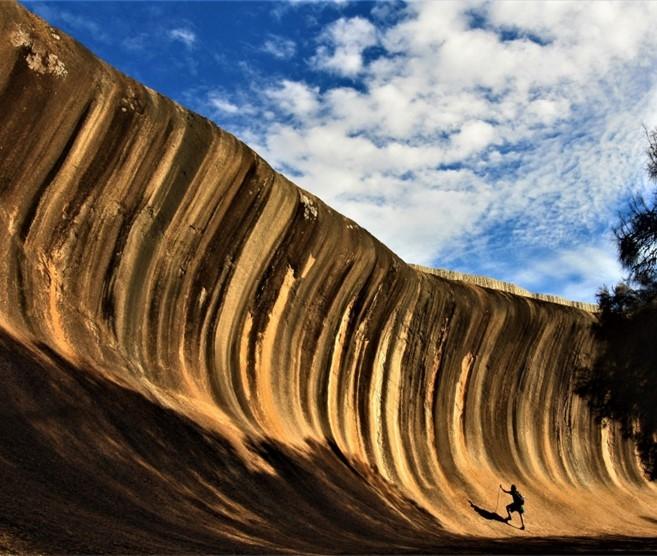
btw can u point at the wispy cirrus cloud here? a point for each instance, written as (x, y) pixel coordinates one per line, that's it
(137, 42)
(279, 47)
(582, 270)
(61, 16)
(221, 105)
(184, 35)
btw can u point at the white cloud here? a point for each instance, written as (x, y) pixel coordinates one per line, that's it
(575, 273)
(546, 112)
(183, 35)
(345, 40)
(219, 104)
(279, 47)
(473, 137)
(437, 215)
(475, 144)
(294, 98)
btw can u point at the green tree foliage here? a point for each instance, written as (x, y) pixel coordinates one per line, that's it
(622, 382)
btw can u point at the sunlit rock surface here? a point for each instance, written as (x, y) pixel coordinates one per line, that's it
(199, 356)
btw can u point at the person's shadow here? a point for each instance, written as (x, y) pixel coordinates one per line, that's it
(491, 516)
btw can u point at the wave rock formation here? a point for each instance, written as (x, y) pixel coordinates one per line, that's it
(199, 356)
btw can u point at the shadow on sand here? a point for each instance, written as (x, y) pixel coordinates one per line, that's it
(491, 516)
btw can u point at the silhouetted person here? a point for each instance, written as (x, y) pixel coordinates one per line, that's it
(516, 506)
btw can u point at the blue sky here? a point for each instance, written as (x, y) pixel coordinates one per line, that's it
(495, 138)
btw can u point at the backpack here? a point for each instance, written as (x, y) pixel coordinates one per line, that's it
(519, 498)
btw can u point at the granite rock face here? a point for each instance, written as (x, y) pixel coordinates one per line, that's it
(233, 365)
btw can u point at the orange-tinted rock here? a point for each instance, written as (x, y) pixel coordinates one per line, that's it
(239, 367)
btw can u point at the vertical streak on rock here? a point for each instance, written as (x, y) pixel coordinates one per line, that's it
(334, 397)
(383, 384)
(276, 414)
(251, 263)
(398, 404)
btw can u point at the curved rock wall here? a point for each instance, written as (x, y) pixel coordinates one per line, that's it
(144, 245)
